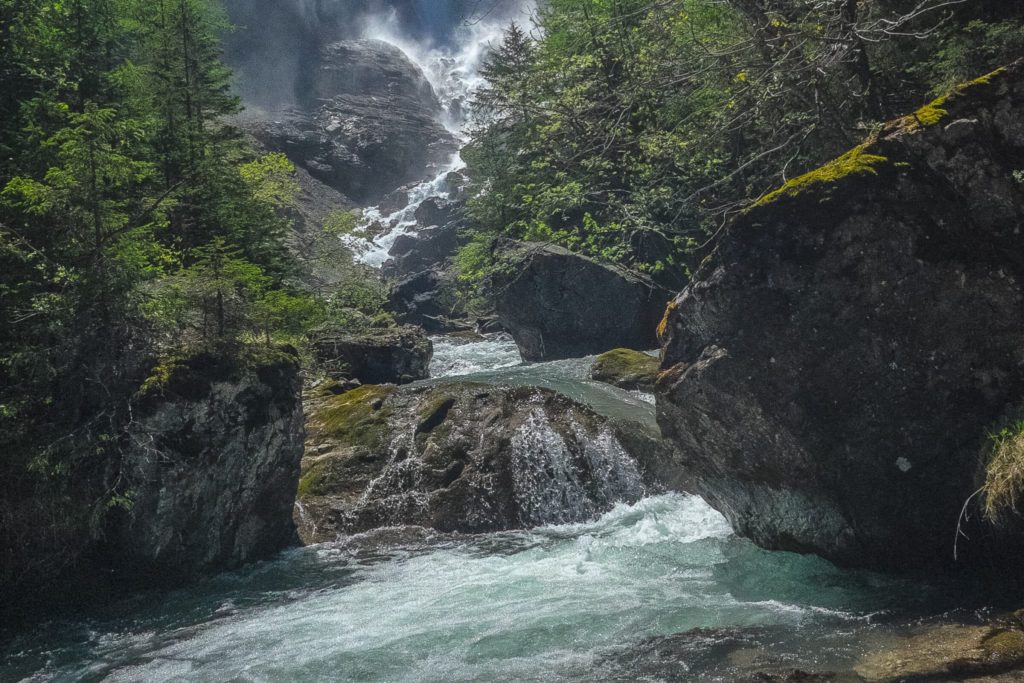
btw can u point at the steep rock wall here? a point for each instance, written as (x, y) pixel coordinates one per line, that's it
(831, 373)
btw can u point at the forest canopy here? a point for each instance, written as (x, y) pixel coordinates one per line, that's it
(631, 130)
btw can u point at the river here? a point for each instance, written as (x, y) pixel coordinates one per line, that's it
(600, 600)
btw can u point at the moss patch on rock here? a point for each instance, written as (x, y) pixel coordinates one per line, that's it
(858, 161)
(626, 368)
(356, 418)
(935, 111)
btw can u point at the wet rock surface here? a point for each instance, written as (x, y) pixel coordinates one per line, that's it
(833, 371)
(461, 457)
(397, 354)
(557, 304)
(949, 652)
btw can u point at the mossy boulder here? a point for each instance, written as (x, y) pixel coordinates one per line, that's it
(466, 457)
(834, 368)
(626, 369)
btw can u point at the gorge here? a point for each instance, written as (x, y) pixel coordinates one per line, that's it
(533, 456)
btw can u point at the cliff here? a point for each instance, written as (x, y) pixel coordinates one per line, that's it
(833, 371)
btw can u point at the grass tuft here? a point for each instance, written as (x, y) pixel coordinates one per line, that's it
(1004, 476)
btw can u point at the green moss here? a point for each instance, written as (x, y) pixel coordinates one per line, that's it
(935, 111)
(356, 418)
(626, 368)
(311, 483)
(858, 161)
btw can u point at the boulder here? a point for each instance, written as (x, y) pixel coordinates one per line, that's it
(626, 369)
(949, 652)
(460, 457)
(422, 299)
(368, 125)
(437, 211)
(833, 371)
(212, 467)
(398, 354)
(557, 304)
(429, 248)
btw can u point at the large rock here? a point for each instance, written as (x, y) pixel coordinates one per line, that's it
(368, 125)
(464, 457)
(397, 355)
(557, 304)
(428, 249)
(950, 652)
(212, 467)
(424, 299)
(626, 369)
(831, 374)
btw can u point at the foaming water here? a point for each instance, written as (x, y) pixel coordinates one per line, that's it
(559, 603)
(454, 357)
(374, 252)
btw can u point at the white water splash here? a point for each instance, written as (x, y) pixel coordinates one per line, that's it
(554, 482)
(374, 252)
(455, 357)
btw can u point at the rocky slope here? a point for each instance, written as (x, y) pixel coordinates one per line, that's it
(466, 457)
(557, 304)
(831, 374)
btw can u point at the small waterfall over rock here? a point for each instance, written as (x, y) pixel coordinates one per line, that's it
(463, 457)
(557, 480)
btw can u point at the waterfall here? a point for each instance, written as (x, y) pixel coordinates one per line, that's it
(555, 483)
(453, 70)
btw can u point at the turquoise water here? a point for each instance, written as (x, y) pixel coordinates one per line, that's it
(657, 591)
(562, 603)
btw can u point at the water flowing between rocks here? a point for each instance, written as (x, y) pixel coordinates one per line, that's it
(648, 591)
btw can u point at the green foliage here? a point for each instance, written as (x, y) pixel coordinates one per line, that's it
(271, 180)
(962, 53)
(340, 223)
(134, 222)
(620, 125)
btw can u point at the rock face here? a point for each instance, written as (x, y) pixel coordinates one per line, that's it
(462, 457)
(395, 355)
(428, 249)
(368, 125)
(626, 369)
(831, 373)
(557, 304)
(213, 467)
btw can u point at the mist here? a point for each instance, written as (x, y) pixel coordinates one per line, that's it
(275, 44)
